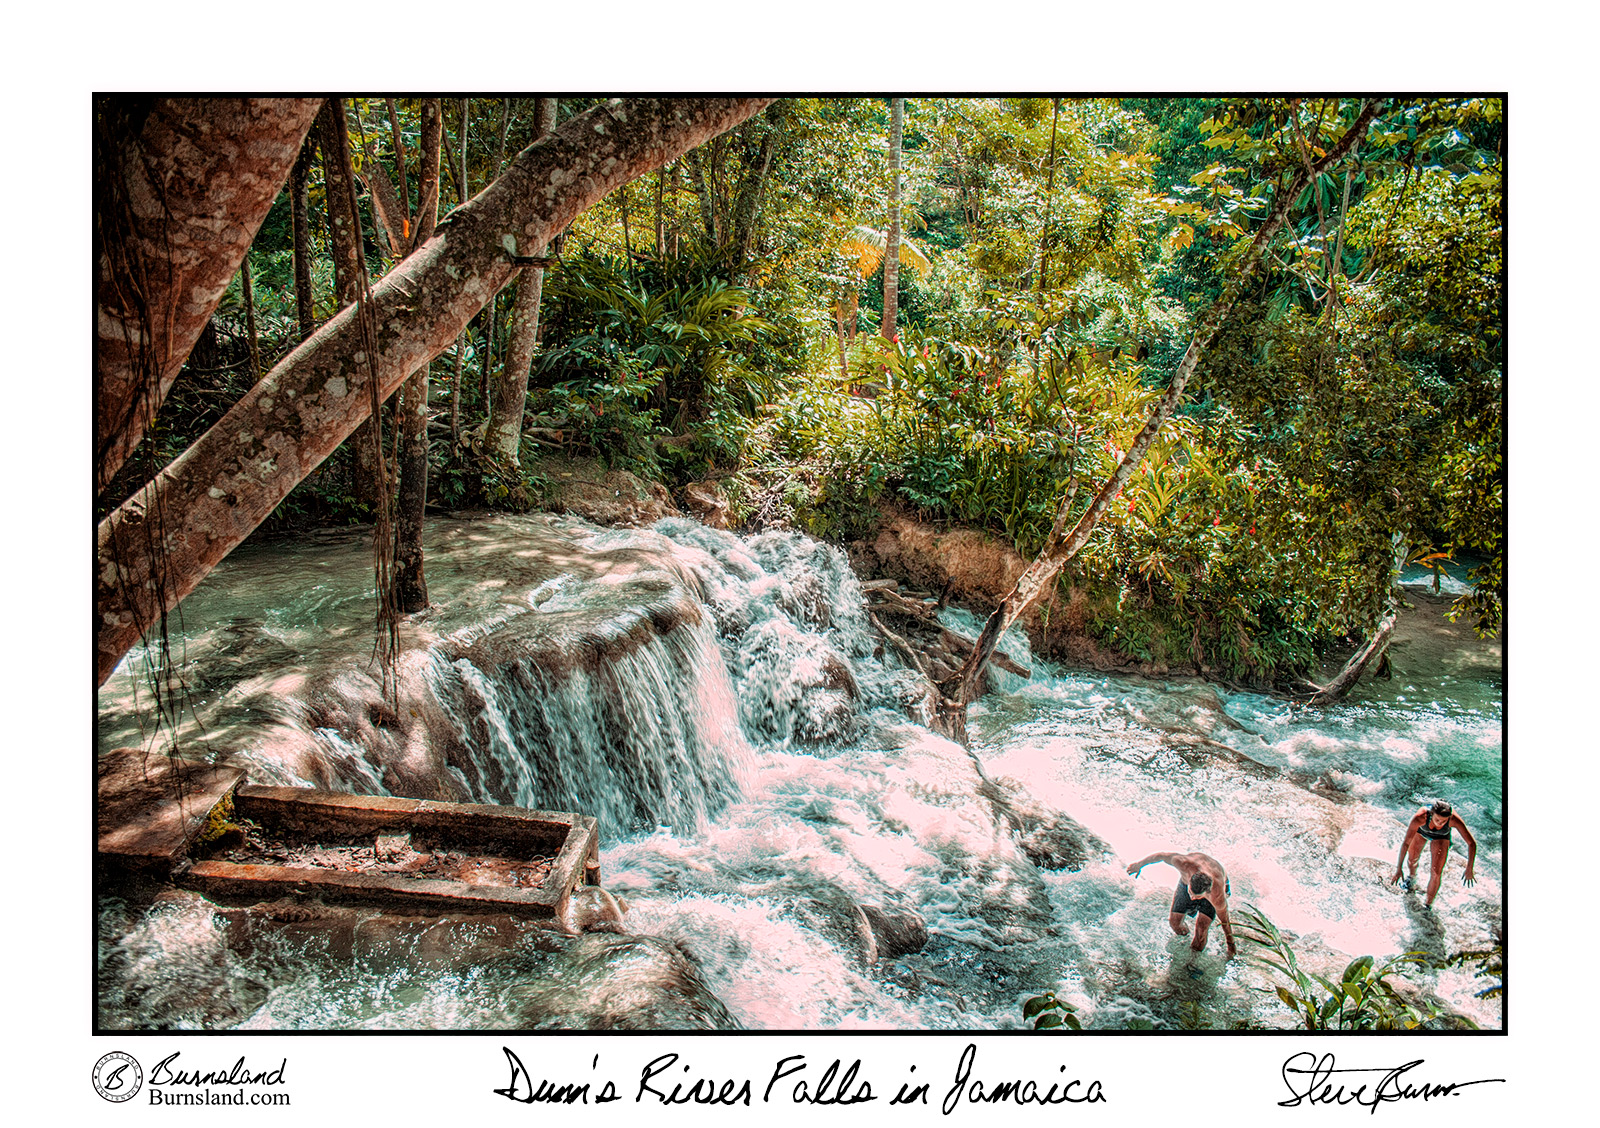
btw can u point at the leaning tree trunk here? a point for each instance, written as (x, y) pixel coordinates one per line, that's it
(230, 480)
(178, 204)
(891, 250)
(411, 419)
(1061, 546)
(503, 436)
(1376, 645)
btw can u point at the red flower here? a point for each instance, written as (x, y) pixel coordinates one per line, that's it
(1252, 530)
(1215, 521)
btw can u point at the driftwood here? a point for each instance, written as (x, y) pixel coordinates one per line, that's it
(1376, 645)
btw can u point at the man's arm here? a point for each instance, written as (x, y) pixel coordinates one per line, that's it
(1472, 848)
(1152, 859)
(1219, 901)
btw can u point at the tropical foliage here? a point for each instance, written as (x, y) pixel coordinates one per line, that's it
(717, 317)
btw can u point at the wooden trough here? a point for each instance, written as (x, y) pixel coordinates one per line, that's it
(156, 838)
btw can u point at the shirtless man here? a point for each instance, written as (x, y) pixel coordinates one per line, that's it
(1202, 894)
(1435, 824)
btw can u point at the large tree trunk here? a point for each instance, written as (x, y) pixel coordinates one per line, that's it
(503, 436)
(411, 419)
(221, 488)
(1061, 546)
(891, 249)
(179, 200)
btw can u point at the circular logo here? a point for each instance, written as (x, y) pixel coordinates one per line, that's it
(117, 1077)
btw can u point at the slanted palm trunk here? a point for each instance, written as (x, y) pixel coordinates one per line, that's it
(1061, 546)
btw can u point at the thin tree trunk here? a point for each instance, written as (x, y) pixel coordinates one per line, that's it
(1061, 546)
(182, 192)
(230, 480)
(891, 251)
(343, 240)
(399, 157)
(411, 417)
(300, 208)
(627, 244)
(661, 230)
(249, 291)
(486, 388)
(503, 437)
(411, 421)
(461, 344)
(1049, 199)
(428, 172)
(747, 204)
(838, 324)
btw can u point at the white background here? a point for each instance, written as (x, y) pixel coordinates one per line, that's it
(58, 57)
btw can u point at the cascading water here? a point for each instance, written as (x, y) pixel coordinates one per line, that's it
(721, 705)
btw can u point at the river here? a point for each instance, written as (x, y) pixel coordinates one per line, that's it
(757, 777)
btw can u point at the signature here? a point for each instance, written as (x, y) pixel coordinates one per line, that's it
(1314, 1080)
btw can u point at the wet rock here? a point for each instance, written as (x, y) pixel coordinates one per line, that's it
(840, 919)
(592, 909)
(708, 502)
(1050, 839)
(581, 486)
(897, 933)
(604, 981)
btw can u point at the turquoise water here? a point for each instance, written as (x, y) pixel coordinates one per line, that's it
(838, 799)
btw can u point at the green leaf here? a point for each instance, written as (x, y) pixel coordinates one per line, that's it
(1357, 965)
(1036, 1004)
(1049, 1021)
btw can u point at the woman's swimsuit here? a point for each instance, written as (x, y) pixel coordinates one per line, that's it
(1427, 831)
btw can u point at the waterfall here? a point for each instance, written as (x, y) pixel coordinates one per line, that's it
(638, 740)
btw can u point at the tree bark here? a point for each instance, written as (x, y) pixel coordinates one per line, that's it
(182, 201)
(503, 436)
(247, 287)
(891, 251)
(1376, 645)
(1061, 546)
(411, 417)
(411, 420)
(300, 209)
(230, 480)
(428, 171)
(342, 240)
